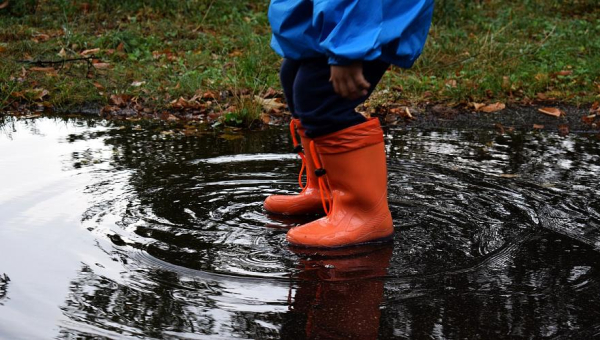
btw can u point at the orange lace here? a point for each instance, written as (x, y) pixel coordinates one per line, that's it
(323, 186)
(298, 149)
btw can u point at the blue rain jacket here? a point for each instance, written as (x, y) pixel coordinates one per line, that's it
(348, 30)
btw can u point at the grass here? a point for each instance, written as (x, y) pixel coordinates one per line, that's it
(160, 50)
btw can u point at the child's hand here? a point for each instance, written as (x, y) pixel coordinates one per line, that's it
(349, 81)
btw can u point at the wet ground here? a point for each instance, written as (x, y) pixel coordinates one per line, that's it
(110, 231)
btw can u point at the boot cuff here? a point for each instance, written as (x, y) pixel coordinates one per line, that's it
(352, 138)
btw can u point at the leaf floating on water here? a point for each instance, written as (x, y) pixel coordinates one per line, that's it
(538, 126)
(552, 111)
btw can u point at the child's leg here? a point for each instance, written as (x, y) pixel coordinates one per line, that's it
(349, 156)
(287, 75)
(321, 110)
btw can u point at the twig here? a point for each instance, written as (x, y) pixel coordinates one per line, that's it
(54, 62)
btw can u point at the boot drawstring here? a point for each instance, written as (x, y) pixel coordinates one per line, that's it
(298, 149)
(326, 197)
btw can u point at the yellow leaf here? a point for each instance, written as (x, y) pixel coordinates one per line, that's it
(552, 111)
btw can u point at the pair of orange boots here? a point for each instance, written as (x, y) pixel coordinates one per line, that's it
(347, 179)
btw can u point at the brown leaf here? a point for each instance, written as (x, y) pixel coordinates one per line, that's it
(477, 106)
(499, 128)
(2, 48)
(62, 53)
(48, 70)
(538, 126)
(493, 107)
(552, 111)
(41, 37)
(37, 94)
(4, 4)
(99, 86)
(269, 104)
(588, 119)
(208, 95)
(451, 83)
(121, 47)
(564, 73)
(119, 99)
(90, 51)
(505, 83)
(101, 66)
(266, 118)
(563, 130)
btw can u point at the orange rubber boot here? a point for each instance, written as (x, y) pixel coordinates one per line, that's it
(352, 176)
(308, 201)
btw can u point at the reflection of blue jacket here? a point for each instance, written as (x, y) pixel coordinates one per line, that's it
(346, 30)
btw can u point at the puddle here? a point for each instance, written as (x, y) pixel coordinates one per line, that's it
(119, 232)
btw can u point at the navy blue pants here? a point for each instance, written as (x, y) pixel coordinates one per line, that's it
(312, 99)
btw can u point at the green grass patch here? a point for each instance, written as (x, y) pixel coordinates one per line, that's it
(160, 50)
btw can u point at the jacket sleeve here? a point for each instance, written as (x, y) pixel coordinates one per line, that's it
(359, 29)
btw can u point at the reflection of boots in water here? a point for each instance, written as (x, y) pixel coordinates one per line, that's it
(339, 293)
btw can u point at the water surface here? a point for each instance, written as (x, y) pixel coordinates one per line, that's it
(120, 231)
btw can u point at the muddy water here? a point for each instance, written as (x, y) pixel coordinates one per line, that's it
(113, 231)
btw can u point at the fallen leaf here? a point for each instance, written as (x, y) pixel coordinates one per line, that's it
(121, 47)
(4, 4)
(99, 86)
(477, 106)
(2, 48)
(505, 83)
(62, 53)
(231, 137)
(588, 119)
(90, 51)
(493, 107)
(138, 83)
(208, 95)
(509, 175)
(40, 37)
(538, 126)
(265, 118)
(119, 99)
(451, 83)
(38, 94)
(499, 128)
(563, 130)
(269, 104)
(552, 111)
(172, 118)
(564, 73)
(101, 66)
(50, 70)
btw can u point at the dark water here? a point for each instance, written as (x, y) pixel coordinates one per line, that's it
(126, 232)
